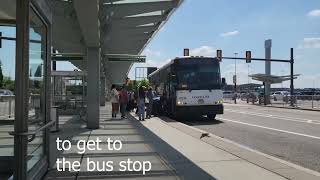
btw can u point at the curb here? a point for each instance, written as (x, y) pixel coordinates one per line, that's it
(278, 166)
(303, 109)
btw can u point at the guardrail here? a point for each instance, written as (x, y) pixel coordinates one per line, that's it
(68, 101)
(6, 107)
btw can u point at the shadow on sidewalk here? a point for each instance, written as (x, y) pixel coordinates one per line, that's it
(139, 144)
(181, 165)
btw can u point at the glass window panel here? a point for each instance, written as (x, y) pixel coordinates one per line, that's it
(7, 72)
(7, 89)
(37, 57)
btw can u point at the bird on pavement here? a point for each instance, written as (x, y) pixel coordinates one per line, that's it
(204, 135)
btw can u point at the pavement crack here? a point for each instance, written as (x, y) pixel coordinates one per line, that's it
(77, 174)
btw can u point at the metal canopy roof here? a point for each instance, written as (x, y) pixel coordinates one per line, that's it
(272, 79)
(117, 26)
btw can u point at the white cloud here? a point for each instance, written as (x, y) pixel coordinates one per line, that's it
(314, 13)
(157, 64)
(310, 43)
(151, 53)
(203, 51)
(231, 33)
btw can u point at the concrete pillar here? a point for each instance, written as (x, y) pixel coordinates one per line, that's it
(267, 45)
(93, 87)
(108, 87)
(102, 91)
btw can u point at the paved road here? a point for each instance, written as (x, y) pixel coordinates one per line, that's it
(291, 135)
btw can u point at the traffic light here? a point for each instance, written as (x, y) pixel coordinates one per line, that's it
(248, 56)
(186, 52)
(219, 55)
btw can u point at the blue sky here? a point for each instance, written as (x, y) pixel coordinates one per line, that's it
(233, 26)
(7, 53)
(239, 25)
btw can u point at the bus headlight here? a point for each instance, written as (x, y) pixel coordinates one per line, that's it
(181, 101)
(220, 101)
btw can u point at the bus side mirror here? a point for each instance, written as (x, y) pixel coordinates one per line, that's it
(223, 80)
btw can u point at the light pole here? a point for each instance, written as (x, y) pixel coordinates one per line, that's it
(235, 63)
(282, 73)
(248, 74)
(267, 60)
(235, 78)
(314, 83)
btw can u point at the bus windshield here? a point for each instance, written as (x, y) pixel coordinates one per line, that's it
(198, 76)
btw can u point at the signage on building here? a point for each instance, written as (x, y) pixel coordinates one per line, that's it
(126, 58)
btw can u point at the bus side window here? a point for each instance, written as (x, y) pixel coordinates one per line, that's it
(166, 92)
(158, 90)
(161, 88)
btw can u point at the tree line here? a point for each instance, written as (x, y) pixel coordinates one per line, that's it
(5, 82)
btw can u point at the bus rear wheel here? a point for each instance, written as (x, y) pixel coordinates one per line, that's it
(211, 116)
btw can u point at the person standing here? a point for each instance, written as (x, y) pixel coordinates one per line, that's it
(124, 99)
(150, 97)
(131, 101)
(135, 96)
(114, 99)
(141, 102)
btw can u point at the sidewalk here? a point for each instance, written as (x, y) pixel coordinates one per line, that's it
(138, 144)
(174, 149)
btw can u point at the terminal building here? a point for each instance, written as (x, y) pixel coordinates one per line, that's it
(101, 38)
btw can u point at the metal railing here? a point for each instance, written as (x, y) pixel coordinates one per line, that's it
(68, 101)
(70, 104)
(33, 133)
(299, 101)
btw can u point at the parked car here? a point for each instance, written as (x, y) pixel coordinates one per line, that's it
(5, 94)
(244, 96)
(228, 95)
(279, 95)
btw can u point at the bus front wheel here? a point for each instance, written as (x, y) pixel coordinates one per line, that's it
(211, 116)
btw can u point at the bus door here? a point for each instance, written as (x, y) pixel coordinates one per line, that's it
(172, 82)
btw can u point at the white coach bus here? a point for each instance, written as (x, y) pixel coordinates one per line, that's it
(189, 86)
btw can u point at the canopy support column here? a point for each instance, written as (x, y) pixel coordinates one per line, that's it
(93, 87)
(103, 91)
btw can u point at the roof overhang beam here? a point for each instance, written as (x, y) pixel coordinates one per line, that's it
(88, 17)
